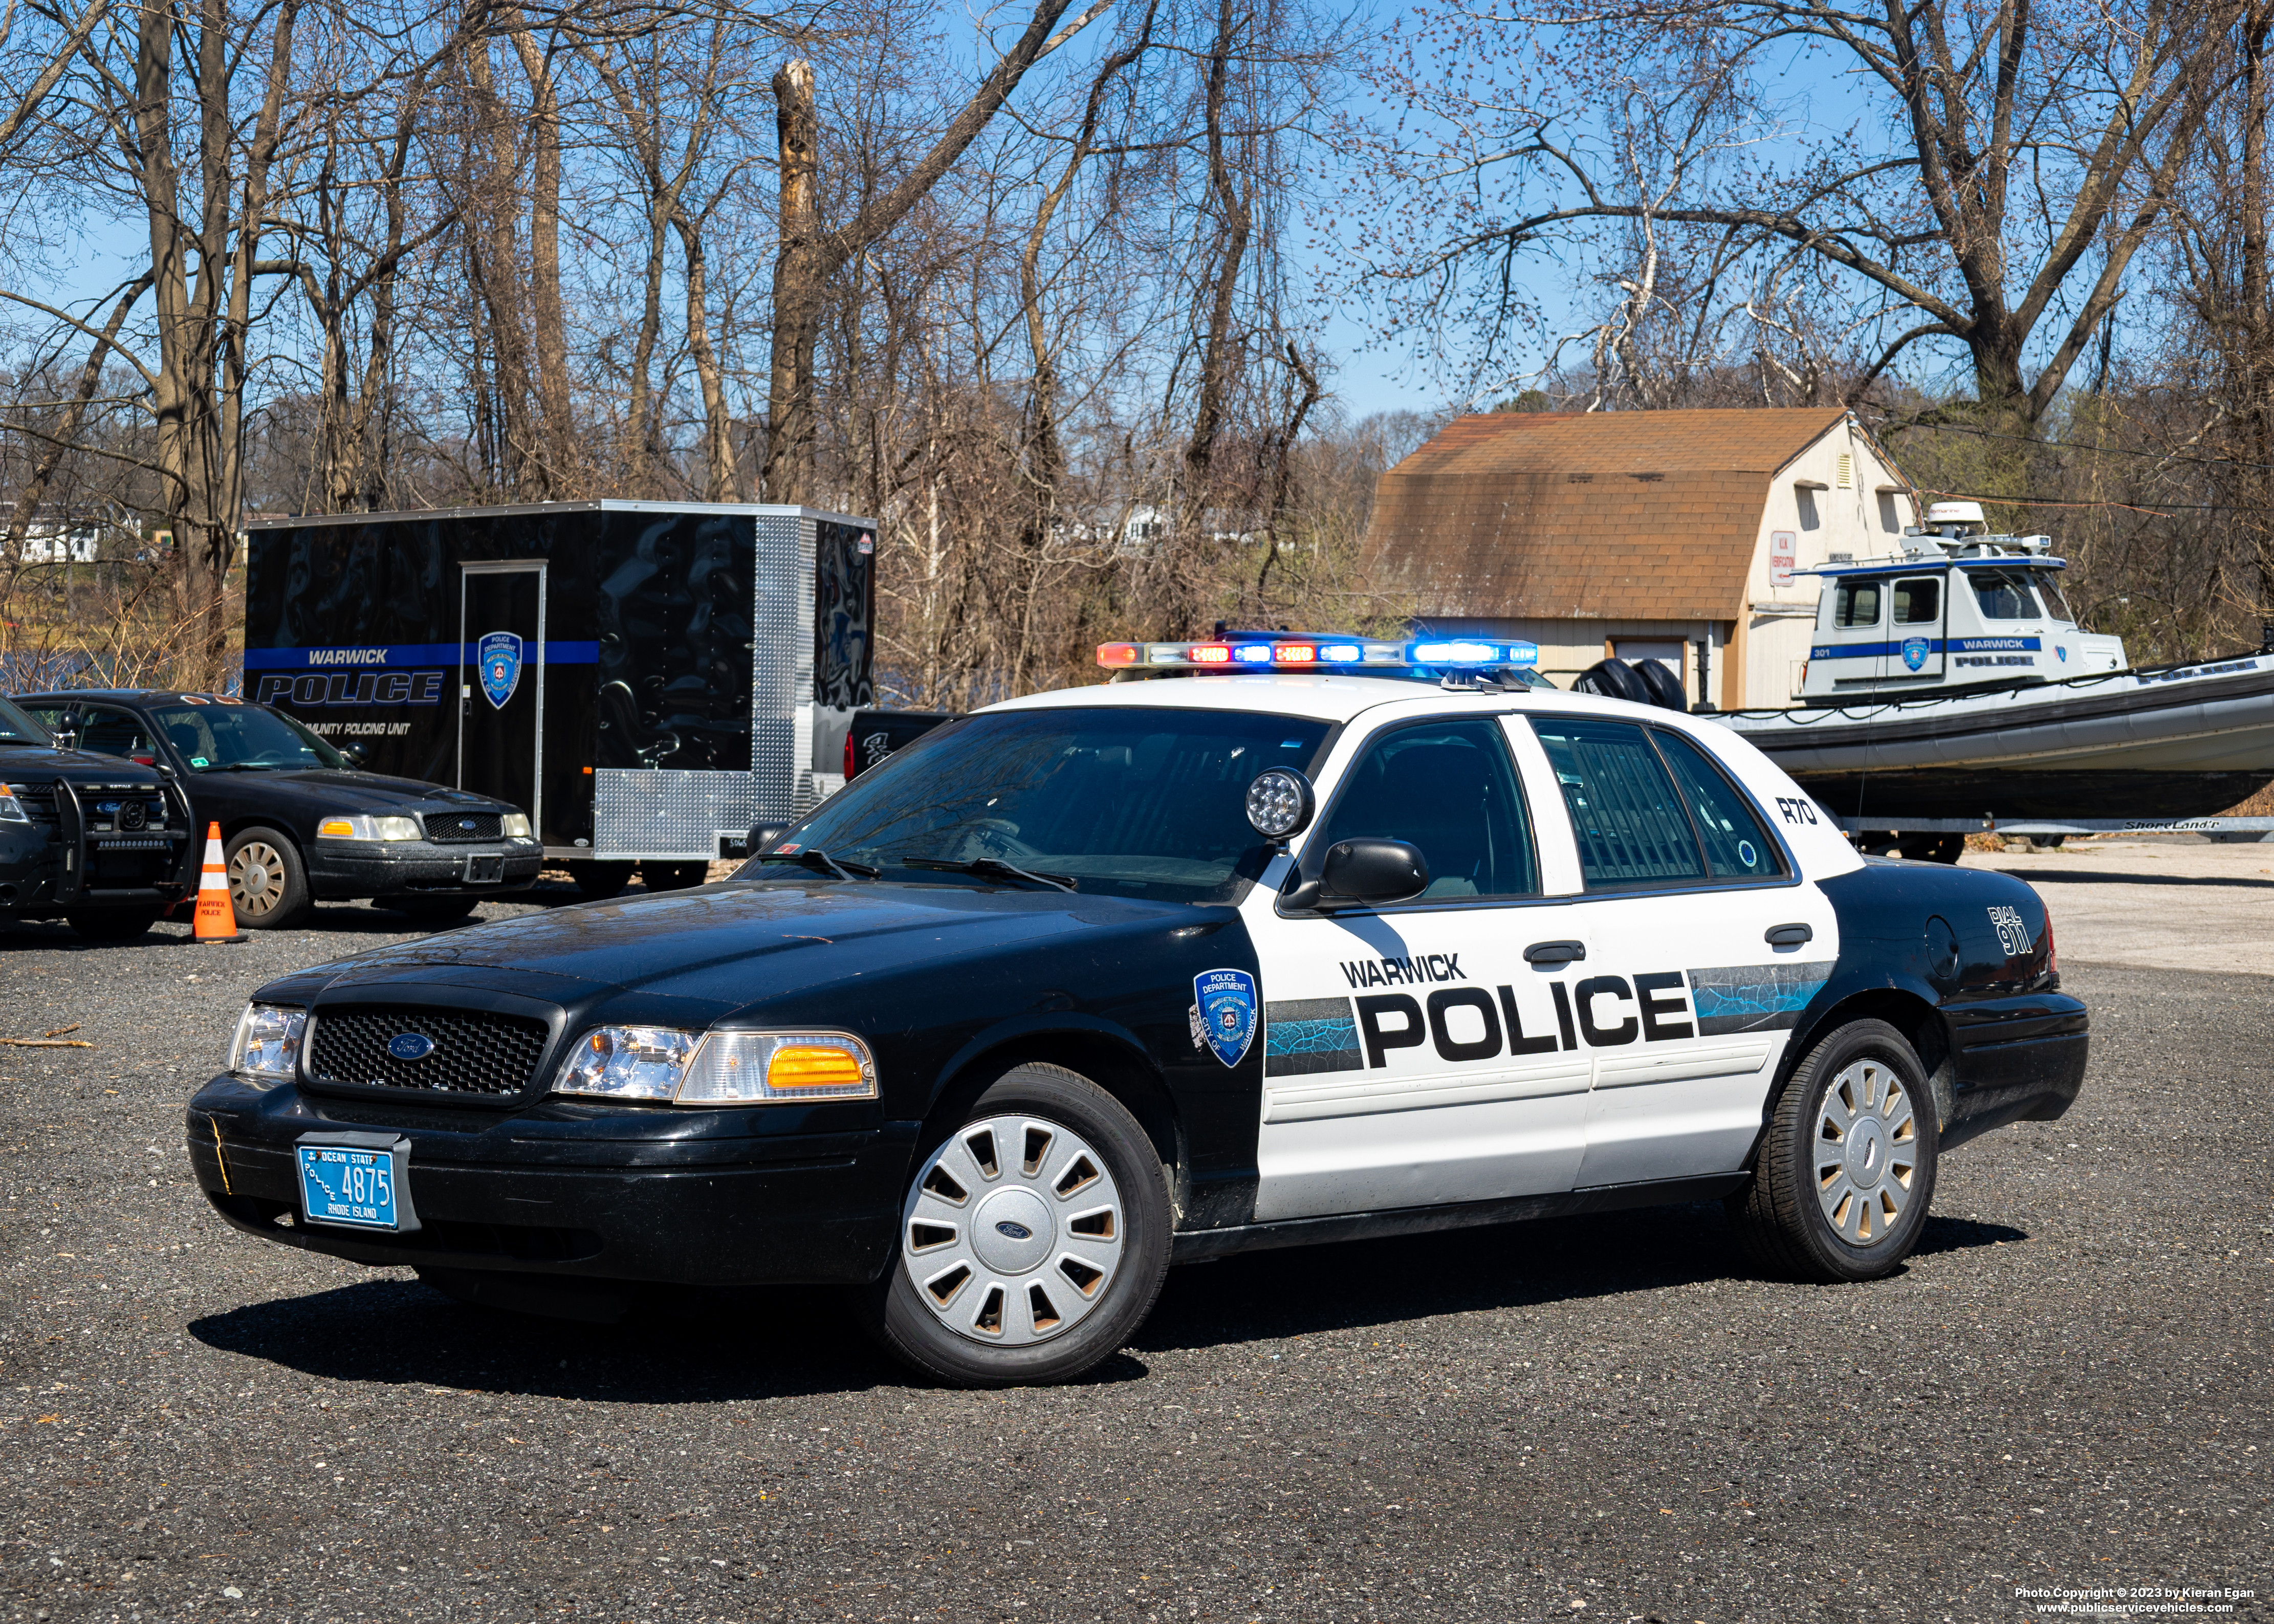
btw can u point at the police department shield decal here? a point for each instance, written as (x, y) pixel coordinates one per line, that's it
(1914, 652)
(1227, 1006)
(499, 654)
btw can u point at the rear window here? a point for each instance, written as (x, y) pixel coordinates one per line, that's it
(1649, 808)
(1855, 602)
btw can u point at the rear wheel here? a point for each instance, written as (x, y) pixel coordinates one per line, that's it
(268, 887)
(1847, 1170)
(112, 924)
(1033, 1241)
(601, 880)
(674, 876)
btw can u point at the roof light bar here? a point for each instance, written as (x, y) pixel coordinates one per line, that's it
(1312, 653)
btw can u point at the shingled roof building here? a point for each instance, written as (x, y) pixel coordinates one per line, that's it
(1650, 534)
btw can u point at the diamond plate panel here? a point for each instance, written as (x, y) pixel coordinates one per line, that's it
(652, 812)
(781, 667)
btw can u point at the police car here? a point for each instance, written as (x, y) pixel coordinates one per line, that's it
(1316, 938)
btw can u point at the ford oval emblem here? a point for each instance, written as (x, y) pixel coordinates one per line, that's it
(1016, 1231)
(466, 823)
(411, 1046)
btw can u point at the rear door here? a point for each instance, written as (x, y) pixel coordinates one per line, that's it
(1410, 1059)
(1683, 1003)
(501, 683)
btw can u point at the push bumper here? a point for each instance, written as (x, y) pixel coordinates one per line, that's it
(582, 1194)
(338, 870)
(2018, 1059)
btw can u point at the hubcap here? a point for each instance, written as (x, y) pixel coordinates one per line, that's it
(256, 878)
(1013, 1232)
(1866, 1152)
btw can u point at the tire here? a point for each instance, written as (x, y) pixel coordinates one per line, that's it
(433, 911)
(1811, 1214)
(674, 876)
(268, 885)
(112, 924)
(1063, 1277)
(599, 881)
(1612, 679)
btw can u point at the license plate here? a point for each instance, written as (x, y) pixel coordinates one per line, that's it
(485, 870)
(355, 1188)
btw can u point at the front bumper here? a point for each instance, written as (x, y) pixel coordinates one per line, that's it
(341, 868)
(591, 1193)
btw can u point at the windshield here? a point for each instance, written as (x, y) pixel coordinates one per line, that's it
(1124, 801)
(229, 737)
(2003, 594)
(17, 728)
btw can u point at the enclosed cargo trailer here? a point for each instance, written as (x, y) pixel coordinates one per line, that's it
(649, 680)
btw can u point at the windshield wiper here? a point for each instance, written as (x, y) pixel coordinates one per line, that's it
(243, 767)
(822, 862)
(990, 865)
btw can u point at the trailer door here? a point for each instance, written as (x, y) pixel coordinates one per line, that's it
(501, 683)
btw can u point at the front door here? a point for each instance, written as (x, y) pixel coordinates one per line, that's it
(1411, 1056)
(1914, 636)
(501, 683)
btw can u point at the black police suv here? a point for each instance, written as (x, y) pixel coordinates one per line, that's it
(298, 822)
(103, 842)
(1109, 978)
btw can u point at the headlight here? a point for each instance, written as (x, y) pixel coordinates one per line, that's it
(717, 1068)
(369, 828)
(12, 810)
(268, 1041)
(516, 825)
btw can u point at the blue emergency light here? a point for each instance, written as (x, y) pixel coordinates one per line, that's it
(1319, 651)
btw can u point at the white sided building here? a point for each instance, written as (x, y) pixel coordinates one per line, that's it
(1677, 535)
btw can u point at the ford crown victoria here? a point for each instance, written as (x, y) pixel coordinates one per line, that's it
(1370, 938)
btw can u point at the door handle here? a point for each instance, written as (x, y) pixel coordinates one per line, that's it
(1554, 952)
(1787, 935)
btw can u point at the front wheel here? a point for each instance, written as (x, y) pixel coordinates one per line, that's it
(1033, 1241)
(268, 887)
(1847, 1170)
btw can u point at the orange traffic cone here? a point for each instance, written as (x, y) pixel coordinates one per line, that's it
(216, 919)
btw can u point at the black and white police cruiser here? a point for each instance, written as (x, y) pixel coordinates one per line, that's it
(1323, 938)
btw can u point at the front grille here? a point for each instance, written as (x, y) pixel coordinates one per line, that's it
(38, 801)
(474, 1053)
(463, 826)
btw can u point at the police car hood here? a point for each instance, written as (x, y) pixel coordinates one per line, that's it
(708, 952)
(40, 764)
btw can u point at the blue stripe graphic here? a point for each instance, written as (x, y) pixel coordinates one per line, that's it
(1935, 645)
(385, 655)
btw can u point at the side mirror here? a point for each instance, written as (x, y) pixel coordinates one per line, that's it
(1364, 872)
(354, 754)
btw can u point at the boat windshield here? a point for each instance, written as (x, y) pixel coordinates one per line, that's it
(1117, 801)
(2004, 594)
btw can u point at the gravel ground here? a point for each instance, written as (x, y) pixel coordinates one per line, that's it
(1600, 1418)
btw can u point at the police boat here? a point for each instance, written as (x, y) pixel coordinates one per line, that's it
(1952, 680)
